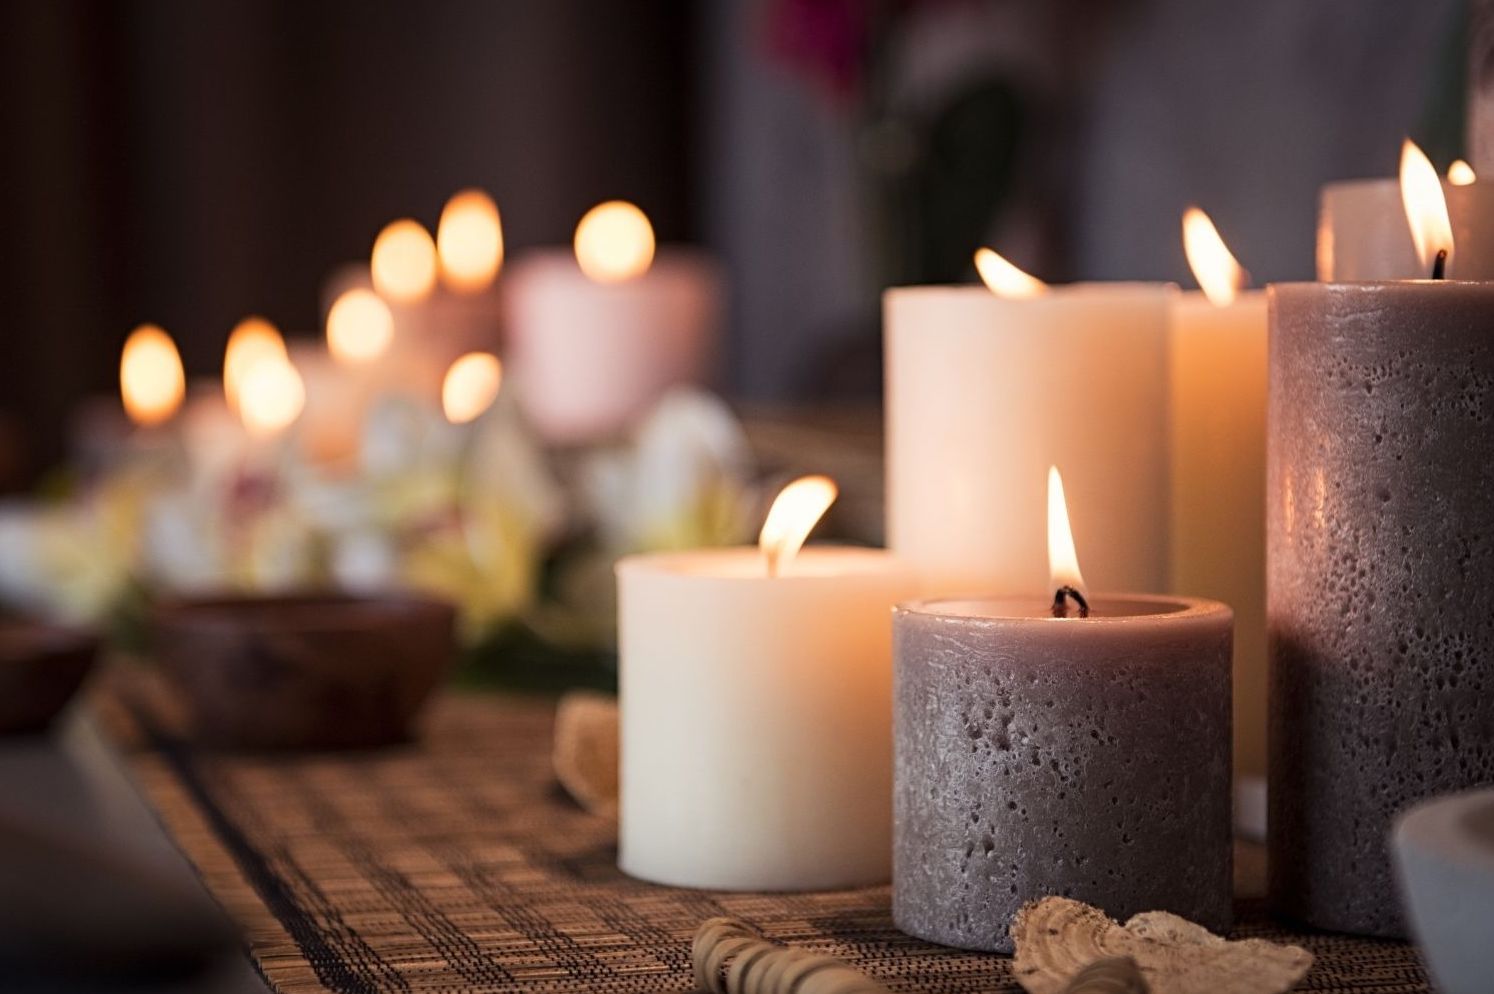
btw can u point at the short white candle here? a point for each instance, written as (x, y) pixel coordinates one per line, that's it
(756, 718)
(984, 393)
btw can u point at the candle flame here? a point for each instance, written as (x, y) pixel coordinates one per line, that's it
(1214, 266)
(1461, 173)
(1426, 207)
(359, 326)
(795, 511)
(404, 262)
(1005, 280)
(251, 340)
(271, 396)
(1063, 560)
(469, 242)
(152, 382)
(614, 242)
(471, 386)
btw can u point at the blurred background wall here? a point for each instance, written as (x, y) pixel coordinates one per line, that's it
(190, 163)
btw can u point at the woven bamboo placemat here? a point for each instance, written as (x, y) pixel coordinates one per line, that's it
(454, 864)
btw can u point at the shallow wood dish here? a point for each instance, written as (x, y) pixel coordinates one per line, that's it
(303, 672)
(41, 667)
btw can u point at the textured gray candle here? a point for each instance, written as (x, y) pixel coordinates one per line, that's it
(1088, 758)
(1380, 576)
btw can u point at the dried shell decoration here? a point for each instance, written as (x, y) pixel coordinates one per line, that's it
(585, 751)
(1056, 938)
(731, 957)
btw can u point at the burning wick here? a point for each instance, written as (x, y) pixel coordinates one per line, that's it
(1439, 265)
(1060, 602)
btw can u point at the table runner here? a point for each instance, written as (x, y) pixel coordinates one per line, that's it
(455, 864)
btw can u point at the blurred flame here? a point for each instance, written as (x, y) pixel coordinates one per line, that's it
(1213, 265)
(471, 386)
(1063, 561)
(469, 241)
(1005, 280)
(251, 340)
(359, 326)
(795, 511)
(151, 380)
(614, 242)
(1461, 173)
(404, 262)
(271, 396)
(1426, 207)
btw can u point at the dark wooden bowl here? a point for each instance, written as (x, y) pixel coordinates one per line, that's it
(303, 672)
(41, 667)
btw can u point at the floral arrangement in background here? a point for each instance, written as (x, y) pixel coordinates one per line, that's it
(521, 539)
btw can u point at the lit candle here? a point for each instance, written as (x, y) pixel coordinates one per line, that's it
(1380, 552)
(1219, 477)
(1363, 234)
(152, 383)
(756, 712)
(1070, 744)
(988, 387)
(597, 337)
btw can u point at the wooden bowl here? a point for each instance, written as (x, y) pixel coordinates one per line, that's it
(41, 667)
(303, 672)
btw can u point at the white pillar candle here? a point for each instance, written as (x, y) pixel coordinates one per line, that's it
(591, 348)
(1218, 532)
(985, 393)
(757, 718)
(1363, 233)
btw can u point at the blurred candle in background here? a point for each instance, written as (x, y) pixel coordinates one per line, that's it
(152, 382)
(989, 386)
(1363, 234)
(1218, 352)
(596, 337)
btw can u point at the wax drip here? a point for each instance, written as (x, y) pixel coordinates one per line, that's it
(1060, 602)
(1439, 267)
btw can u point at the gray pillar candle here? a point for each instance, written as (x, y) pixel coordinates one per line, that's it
(1084, 757)
(1380, 576)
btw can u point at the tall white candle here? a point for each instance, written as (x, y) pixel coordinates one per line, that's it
(984, 393)
(757, 718)
(1218, 352)
(595, 338)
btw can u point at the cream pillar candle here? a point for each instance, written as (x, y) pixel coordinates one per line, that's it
(596, 338)
(1218, 355)
(757, 718)
(1363, 234)
(984, 393)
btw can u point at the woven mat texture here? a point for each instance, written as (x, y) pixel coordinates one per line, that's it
(454, 864)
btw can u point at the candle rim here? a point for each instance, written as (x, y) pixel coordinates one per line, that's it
(676, 564)
(1169, 606)
(1058, 295)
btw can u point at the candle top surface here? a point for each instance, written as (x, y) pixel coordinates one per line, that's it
(1105, 609)
(1058, 294)
(747, 563)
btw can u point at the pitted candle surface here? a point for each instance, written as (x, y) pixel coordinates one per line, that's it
(1380, 577)
(1036, 756)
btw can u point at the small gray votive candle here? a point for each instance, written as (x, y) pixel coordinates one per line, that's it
(1036, 755)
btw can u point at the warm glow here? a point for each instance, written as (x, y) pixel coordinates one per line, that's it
(1461, 173)
(469, 242)
(614, 242)
(1426, 207)
(1005, 280)
(404, 262)
(1212, 263)
(795, 511)
(1063, 561)
(151, 380)
(470, 386)
(271, 396)
(251, 340)
(359, 326)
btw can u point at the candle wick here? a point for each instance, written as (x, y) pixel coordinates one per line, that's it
(1439, 267)
(1060, 602)
(770, 556)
